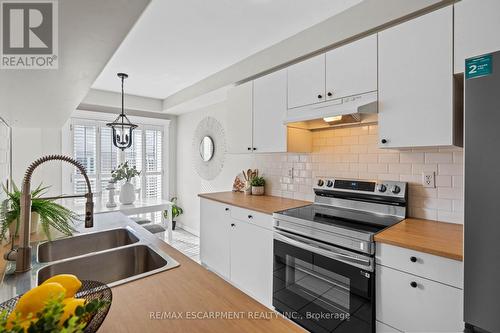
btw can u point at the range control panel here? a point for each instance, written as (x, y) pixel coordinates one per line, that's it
(386, 188)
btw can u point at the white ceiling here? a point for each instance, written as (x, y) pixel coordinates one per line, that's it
(177, 43)
(89, 33)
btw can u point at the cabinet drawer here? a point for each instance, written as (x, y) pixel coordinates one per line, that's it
(246, 215)
(428, 307)
(426, 265)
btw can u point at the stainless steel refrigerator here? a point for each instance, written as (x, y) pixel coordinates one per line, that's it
(482, 194)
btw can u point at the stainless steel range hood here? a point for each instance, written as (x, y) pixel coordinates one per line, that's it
(359, 109)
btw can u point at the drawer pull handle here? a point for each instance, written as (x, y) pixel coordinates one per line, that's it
(413, 259)
(413, 284)
(250, 216)
(227, 209)
(233, 225)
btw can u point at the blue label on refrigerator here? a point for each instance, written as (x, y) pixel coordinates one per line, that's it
(478, 66)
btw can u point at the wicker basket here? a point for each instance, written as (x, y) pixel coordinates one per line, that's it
(89, 291)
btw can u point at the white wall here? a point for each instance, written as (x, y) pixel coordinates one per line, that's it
(189, 184)
(29, 144)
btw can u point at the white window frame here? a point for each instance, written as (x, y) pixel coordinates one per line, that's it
(121, 154)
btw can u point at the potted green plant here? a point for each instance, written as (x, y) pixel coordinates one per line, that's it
(258, 185)
(127, 191)
(47, 211)
(176, 211)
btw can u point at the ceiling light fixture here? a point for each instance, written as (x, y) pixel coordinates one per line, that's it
(121, 126)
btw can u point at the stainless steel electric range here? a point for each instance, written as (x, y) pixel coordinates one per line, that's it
(324, 277)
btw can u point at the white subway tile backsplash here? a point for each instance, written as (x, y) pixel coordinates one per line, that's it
(451, 169)
(389, 158)
(411, 157)
(439, 157)
(450, 193)
(354, 153)
(400, 169)
(368, 158)
(444, 181)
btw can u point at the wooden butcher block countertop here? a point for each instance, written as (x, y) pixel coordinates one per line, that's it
(266, 204)
(438, 238)
(188, 298)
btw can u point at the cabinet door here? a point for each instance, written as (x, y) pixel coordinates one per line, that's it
(414, 304)
(239, 119)
(269, 111)
(215, 222)
(416, 82)
(306, 82)
(352, 69)
(476, 29)
(251, 260)
(383, 328)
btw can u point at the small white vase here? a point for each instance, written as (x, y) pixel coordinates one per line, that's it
(127, 194)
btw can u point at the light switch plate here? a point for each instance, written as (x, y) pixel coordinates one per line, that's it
(429, 179)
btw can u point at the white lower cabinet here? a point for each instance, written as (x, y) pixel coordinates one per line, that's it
(408, 302)
(251, 260)
(214, 236)
(237, 244)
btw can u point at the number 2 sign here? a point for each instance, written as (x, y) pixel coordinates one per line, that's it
(478, 66)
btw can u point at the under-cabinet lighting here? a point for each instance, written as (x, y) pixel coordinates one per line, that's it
(332, 119)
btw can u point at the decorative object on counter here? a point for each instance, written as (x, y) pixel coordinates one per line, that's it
(111, 194)
(208, 148)
(121, 126)
(50, 214)
(238, 184)
(249, 175)
(176, 211)
(85, 312)
(258, 185)
(127, 191)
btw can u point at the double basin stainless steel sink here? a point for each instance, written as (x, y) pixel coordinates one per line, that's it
(112, 256)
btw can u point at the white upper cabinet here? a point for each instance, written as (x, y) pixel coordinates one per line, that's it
(239, 118)
(477, 23)
(416, 82)
(352, 69)
(269, 110)
(306, 82)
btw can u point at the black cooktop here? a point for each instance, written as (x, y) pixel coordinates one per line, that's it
(346, 218)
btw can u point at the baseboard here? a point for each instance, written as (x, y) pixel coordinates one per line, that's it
(188, 229)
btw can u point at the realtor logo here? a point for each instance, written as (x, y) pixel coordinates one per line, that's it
(29, 34)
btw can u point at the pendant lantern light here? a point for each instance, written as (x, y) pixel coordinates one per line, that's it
(121, 126)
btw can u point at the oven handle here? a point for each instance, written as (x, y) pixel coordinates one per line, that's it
(324, 252)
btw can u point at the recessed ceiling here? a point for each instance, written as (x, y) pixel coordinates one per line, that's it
(177, 43)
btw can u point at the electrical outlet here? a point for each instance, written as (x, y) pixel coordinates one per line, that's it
(429, 179)
(290, 173)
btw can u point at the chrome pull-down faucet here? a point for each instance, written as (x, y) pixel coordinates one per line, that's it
(22, 255)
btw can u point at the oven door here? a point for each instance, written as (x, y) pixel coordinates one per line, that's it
(322, 287)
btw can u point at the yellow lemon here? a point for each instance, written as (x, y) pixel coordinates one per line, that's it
(70, 305)
(34, 300)
(69, 281)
